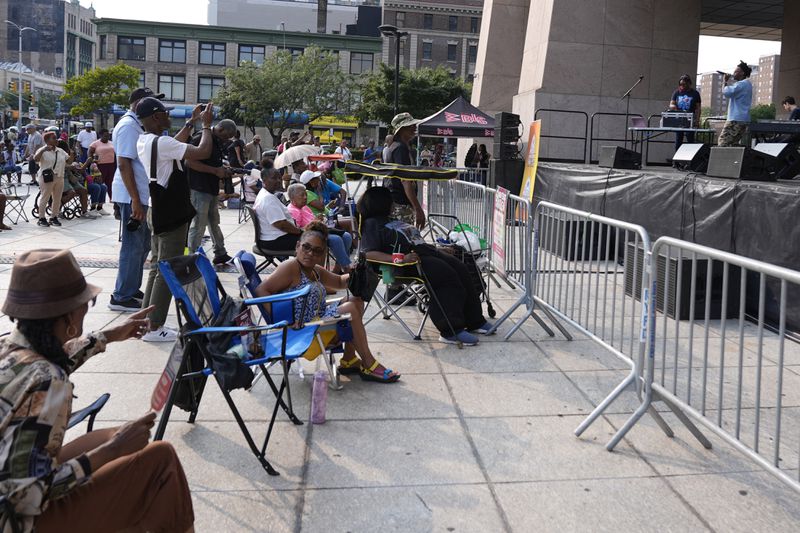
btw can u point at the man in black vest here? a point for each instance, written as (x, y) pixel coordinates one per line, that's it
(204, 179)
(170, 210)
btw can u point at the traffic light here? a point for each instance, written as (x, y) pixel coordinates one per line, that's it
(12, 86)
(33, 99)
(26, 86)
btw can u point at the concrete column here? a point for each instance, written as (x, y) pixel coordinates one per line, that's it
(789, 78)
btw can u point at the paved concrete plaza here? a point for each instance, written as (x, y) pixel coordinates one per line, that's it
(479, 439)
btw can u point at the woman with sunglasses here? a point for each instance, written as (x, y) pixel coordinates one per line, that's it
(110, 479)
(305, 269)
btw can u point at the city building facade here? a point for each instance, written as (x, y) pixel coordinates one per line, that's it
(766, 85)
(441, 32)
(709, 85)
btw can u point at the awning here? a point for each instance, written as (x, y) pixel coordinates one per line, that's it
(458, 119)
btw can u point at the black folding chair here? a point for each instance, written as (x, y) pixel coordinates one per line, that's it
(271, 257)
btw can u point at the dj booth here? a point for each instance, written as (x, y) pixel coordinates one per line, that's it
(753, 219)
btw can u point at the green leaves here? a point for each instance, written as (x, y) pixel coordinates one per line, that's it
(100, 88)
(422, 92)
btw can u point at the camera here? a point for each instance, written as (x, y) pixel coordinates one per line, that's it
(133, 224)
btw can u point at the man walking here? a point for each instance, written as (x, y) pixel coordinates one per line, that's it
(35, 141)
(253, 150)
(132, 195)
(85, 139)
(740, 98)
(204, 179)
(170, 210)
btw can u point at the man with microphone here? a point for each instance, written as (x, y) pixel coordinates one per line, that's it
(738, 89)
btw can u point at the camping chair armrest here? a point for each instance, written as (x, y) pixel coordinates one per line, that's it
(398, 265)
(328, 321)
(280, 297)
(90, 412)
(238, 329)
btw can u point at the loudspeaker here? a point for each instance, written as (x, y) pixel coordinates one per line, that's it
(787, 156)
(742, 163)
(506, 135)
(507, 174)
(617, 157)
(505, 151)
(692, 157)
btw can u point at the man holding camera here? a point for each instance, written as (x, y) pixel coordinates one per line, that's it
(204, 179)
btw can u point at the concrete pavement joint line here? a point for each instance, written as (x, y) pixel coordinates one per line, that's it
(641, 456)
(301, 500)
(503, 517)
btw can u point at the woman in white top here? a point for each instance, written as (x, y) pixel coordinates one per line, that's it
(51, 159)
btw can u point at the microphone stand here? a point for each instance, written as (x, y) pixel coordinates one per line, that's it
(627, 98)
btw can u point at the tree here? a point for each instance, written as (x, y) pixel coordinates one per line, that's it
(284, 87)
(762, 112)
(100, 88)
(422, 92)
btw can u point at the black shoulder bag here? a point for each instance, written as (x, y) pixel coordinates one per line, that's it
(171, 205)
(363, 279)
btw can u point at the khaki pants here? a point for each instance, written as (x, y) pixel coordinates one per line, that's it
(732, 132)
(144, 491)
(162, 246)
(53, 189)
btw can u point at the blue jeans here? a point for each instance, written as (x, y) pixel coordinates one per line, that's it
(340, 248)
(207, 207)
(97, 191)
(132, 254)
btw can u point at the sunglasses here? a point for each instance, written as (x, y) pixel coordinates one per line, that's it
(307, 248)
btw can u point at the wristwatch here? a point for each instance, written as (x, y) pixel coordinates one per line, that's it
(189, 124)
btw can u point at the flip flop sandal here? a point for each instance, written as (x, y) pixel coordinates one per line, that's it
(349, 367)
(367, 374)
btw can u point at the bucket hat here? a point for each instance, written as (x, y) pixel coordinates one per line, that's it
(403, 120)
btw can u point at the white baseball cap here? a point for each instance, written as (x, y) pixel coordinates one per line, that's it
(87, 125)
(309, 175)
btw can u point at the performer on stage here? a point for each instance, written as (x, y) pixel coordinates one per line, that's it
(687, 100)
(790, 106)
(740, 98)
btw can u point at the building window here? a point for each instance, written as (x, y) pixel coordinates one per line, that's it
(171, 51)
(400, 19)
(251, 53)
(451, 52)
(360, 63)
(427, 22)
(207, 87)
(173, 86)
(85, 56)
(141, 79)
(402, 48)
(472, 53)
(427, 51)
(103, 47)
(473, 25)
(452, 23)
(131, 48)
(212, 54)
(71, 54)
(296, 52)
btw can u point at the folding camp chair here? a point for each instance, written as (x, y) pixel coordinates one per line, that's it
(249, 280)
(244, 212)
(200, 298)
(270, 256)
(90, 412)
(15, 202)
(413, 289)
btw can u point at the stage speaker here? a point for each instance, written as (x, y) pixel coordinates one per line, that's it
(506, 136)
(692, 157)
(507, 174)
(617, 157)
(742, 163)
(505, 151)
(787, 155)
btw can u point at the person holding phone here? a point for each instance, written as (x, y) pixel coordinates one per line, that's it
(52, 162)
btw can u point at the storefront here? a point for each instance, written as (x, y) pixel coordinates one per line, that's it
(332, 129)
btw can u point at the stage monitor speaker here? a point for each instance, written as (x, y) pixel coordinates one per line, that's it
(506, 174)
(787, 155)
(617, 157)
(507, 127)
(692, 157)
(505, 151)
(742, 163)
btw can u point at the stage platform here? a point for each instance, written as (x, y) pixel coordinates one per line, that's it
(753, 219)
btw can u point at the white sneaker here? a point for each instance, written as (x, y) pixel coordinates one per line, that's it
(90, 214)
(161, 334)
(102, 212)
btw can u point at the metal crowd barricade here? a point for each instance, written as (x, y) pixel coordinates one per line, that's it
(473, 175)
(718, 351)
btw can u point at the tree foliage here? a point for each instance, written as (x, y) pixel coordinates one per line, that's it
(282, 87)
(422, 92)
(100, 88)
(762, 112)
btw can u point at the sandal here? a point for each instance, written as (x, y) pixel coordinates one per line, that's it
(368, 374)
(353, 366)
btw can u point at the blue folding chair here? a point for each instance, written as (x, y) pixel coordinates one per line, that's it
(249, 280)
(199, 298)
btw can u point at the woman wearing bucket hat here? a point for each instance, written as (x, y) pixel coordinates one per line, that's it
(405, 205)
(106, 480)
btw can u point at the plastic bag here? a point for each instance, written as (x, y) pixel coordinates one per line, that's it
(467, 240)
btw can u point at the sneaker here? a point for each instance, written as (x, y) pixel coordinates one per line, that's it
(43, 223)
(222, 259)
(464, 337)
(128, 306)
(54, 222)
(102, 212)
(139, 295)
(484, 329)
(161, 334)
(90, 214)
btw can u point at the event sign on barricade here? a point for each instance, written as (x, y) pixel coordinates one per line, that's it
(499, 231)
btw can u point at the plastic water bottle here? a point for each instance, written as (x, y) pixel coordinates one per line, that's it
(319, 398)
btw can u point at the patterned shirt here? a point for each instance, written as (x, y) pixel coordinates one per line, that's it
(35, 404)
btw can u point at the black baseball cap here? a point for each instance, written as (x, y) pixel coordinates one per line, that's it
(143, 92)
(150, 105)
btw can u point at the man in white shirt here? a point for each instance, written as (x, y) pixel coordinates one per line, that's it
(35, 141)
(344, 150)
(170, 210)
(85, 138)
(278, 230)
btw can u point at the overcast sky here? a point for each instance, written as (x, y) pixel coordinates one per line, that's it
(716, 53)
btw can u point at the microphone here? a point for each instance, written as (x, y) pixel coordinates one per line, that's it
(641, 77)
(723, 73)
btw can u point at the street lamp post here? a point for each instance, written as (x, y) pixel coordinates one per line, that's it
(19, 70)
(391, 31)
(283, 29)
